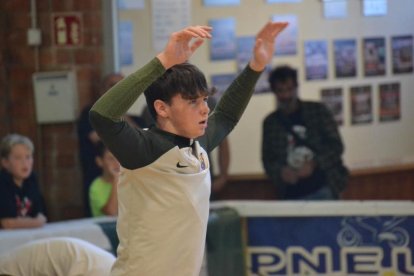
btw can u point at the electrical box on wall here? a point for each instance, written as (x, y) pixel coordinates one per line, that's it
(55, 97)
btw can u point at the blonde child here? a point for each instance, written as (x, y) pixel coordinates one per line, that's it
(21, 204)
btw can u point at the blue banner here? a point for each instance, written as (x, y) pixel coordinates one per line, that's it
(350, 245)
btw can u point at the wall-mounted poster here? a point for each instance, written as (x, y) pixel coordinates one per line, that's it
(221, 2)
(402, 54)
(220, 82)
(374, 56)
(335, 8)
(223, 42)
(283, 1)
(245, 46)
(345, 58)
(244, 51)
(361, 105)
(374, 7)
(316, 60)
(287, 41)
(125, 31)
(168, 16)
(389, 102)
(332, 98)
(131, 4)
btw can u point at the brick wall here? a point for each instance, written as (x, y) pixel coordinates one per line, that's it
(56, 154)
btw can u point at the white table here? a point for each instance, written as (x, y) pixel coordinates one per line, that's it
(86, 229)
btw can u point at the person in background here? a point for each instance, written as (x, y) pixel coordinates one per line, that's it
(301, 146)
(103, 191)
(88, 139)
(21, 203)
(163, 196)
(219, 181)
(60, 256)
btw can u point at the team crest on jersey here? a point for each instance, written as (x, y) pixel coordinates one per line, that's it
(202, 161)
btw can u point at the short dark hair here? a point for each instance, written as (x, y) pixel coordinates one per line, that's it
(100, 149)
(282, 74)
(185, 79)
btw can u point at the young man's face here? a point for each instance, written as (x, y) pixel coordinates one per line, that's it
(19, 163)
(286, 94)
(187, 117)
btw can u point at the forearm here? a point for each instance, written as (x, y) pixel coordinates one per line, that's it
(111, 206)
(224, 158)
(116, 102)
(23, 222)
(237, 96)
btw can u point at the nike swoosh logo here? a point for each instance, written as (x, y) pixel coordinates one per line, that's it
(181, 166)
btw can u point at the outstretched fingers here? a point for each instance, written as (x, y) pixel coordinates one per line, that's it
(182, 45)
(278, 27)
(264, 45)
(197, 43)
(197, 32)
(271, 30)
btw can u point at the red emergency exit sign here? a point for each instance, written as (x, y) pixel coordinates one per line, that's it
(67, 29)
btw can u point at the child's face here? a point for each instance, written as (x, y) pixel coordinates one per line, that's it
(188, 117)
(109, 164)
(20, 162)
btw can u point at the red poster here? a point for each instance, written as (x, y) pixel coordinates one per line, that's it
(67, 29)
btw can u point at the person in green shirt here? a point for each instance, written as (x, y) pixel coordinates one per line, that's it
(103, 193)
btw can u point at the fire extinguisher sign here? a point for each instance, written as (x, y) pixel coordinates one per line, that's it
(67, 30)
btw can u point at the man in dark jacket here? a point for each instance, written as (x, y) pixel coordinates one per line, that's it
(301, 147)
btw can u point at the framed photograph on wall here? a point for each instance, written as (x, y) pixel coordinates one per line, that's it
(316, 60)
(211, 3)
(223, 42)
(389, 102)
(283, 1)
(333, 99)
(345, 53)
(374, 56)
(245, 46)
(402, 54)
(361, 104)
(287, 41)
(220, 82)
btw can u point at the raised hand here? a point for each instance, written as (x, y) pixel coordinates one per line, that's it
(265, 45)
(183, 44)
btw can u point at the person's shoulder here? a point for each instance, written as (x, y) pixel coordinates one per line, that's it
(3, 175)
(311, 103)
(97, 183)
(3, 180)
(271, 116)
(314, 105)
(6, 180)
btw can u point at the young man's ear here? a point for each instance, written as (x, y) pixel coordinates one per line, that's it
(161, 108)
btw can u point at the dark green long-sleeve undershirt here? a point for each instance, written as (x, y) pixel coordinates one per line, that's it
(136, 148)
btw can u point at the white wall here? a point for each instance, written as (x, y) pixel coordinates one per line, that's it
(365, 144)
